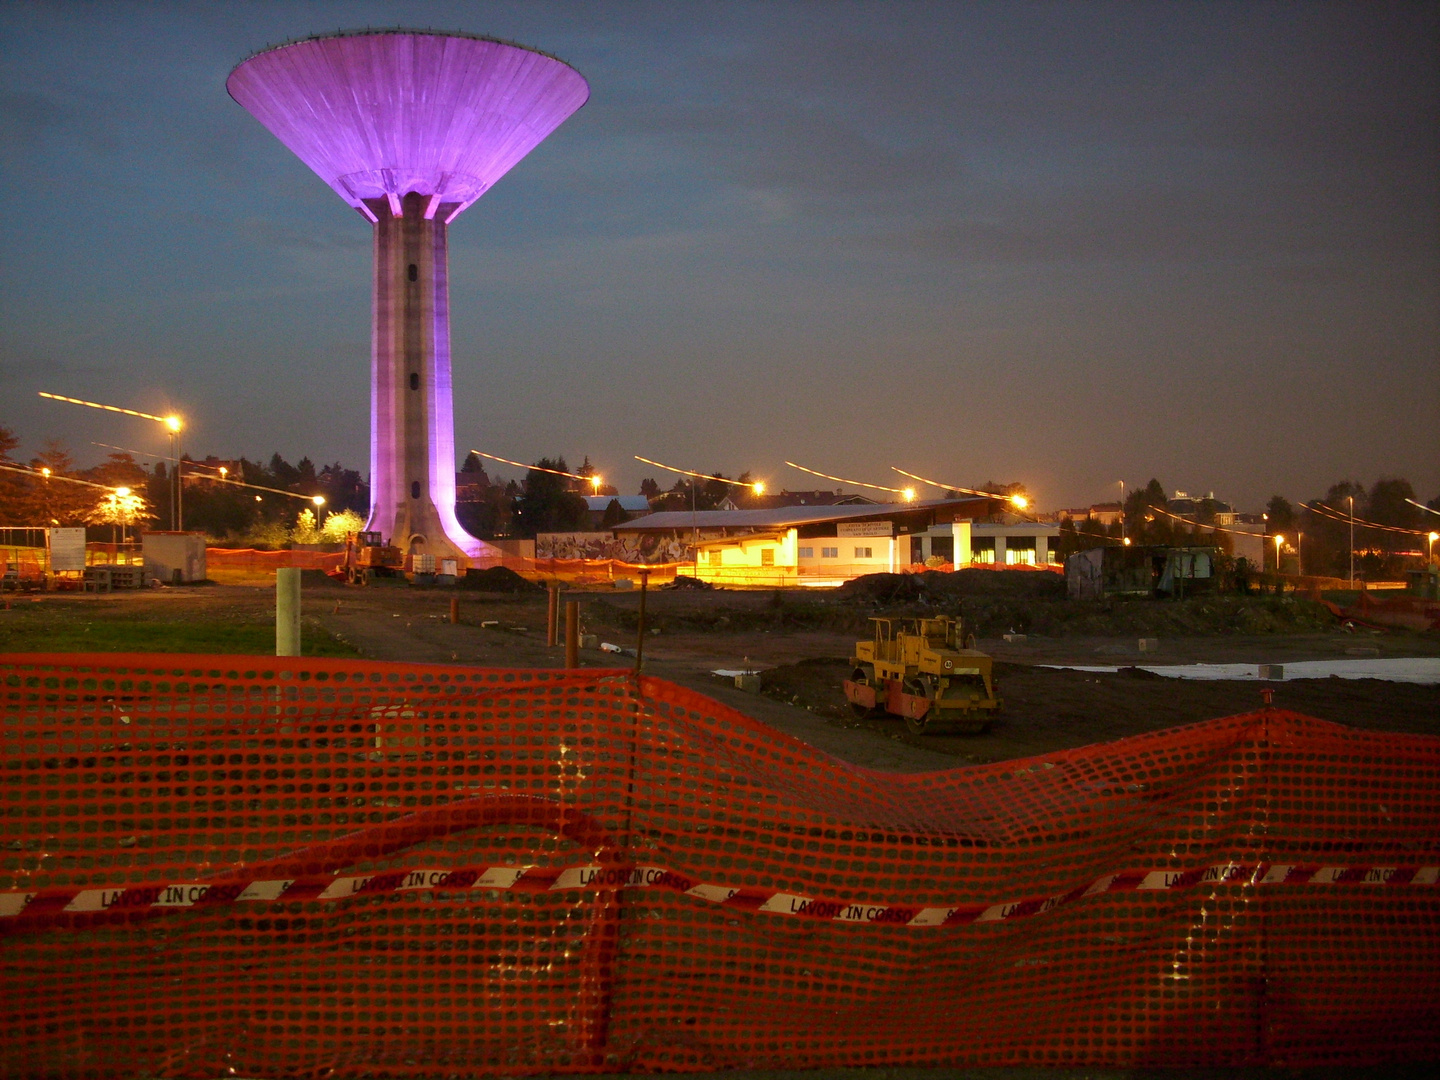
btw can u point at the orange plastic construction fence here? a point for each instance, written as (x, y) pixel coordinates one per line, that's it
(252, 559)
(221, 865)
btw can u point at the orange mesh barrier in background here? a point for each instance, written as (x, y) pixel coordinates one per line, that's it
(252, 559)
(222, 865)
(582, 571)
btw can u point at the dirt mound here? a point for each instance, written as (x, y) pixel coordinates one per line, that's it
(885, 589)
(683, 582)
(497, 579)
(935, 587)
(1030, 584)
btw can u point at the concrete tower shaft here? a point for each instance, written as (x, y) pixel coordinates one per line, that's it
(412, 444)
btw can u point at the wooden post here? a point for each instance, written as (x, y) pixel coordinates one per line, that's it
(287, 611)
(572, 633)
(640, 631)
(454, 611)
(552, 623)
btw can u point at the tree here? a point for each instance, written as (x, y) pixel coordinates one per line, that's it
(337, 525)
(14, 488)
(305, 531)
(1389, 504)
(546, 504)
(614, 515)
(649, 488)
(121, 507)
(1279, 514)
(1146, 513)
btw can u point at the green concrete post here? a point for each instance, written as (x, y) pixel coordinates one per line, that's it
(287, 611)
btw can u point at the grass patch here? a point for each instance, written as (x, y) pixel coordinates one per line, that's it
(97, 633)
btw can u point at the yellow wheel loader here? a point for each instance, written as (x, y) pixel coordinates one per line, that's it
(926, 670)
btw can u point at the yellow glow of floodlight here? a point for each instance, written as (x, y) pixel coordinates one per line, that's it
(122, 491)
(855, 483)
(45, 472)
(595, 483)
(758, 486)
(522, 465)
(318, 500)
(1020, 501)
(174, 423)
(113, 408)
(908, 494)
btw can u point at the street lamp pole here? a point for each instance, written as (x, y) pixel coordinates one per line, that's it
(1352, 540)
(174, 423)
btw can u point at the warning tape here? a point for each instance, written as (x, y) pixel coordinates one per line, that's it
(546, 879)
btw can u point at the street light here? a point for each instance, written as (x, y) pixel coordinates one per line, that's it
(1433, 537)
(122, 494)
(175, 424)
(1279, 539)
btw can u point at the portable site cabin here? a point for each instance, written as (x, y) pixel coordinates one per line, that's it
(1139, 571)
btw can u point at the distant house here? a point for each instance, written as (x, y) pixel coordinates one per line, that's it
(1107, 513)
(1205, 510)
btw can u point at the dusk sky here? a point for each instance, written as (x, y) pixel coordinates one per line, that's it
(1067, 244)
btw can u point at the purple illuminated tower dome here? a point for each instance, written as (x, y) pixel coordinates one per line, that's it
(410, 128)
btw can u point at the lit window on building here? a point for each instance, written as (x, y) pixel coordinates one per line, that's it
(767, 556)
(714, 558)
(807, 553)
(829, 553)
(864, 553)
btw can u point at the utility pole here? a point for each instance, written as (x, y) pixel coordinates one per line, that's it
(1352, 540)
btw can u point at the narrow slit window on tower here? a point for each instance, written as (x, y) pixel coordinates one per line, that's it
(414, 380)
(414, 272)
(414, 489)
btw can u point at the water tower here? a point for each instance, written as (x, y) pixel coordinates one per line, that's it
(410, 128)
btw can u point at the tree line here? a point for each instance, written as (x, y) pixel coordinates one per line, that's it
(235, 507)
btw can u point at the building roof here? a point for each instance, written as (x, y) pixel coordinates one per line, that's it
(631, 504)
(785, 517)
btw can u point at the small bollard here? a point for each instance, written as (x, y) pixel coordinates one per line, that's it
(454, 611)
(572, 633)
(287, 611)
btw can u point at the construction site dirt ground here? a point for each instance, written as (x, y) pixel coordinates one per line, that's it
(800, 642)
